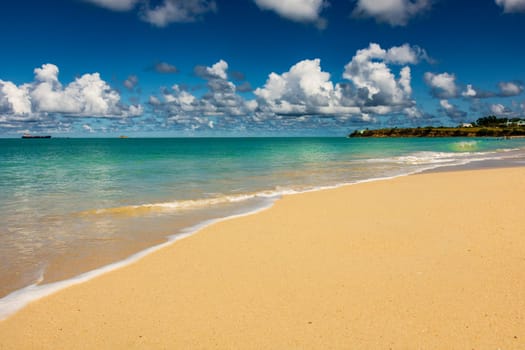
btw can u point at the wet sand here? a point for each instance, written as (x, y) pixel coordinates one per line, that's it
(430, 261)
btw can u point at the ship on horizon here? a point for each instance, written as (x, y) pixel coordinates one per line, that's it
(29, 136)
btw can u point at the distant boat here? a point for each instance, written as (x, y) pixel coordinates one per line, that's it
(28, 136)
(123, 136)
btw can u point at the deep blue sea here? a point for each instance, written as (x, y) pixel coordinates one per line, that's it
(68, 206)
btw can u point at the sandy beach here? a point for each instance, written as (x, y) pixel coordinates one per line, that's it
(430, 261)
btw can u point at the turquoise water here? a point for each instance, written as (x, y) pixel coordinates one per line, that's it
(71, 205)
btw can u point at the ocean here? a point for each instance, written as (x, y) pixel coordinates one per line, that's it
(73, 208)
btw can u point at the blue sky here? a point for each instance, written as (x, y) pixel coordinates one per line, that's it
(256, 67)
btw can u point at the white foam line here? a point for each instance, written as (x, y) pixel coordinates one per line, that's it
(16, 300)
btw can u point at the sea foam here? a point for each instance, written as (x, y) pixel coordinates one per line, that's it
(351, 169)
(16, 300)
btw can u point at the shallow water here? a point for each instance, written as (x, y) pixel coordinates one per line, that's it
(72, 205)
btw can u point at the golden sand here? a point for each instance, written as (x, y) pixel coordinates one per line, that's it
(433, 261)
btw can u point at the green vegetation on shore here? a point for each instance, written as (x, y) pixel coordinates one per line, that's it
(490, 126)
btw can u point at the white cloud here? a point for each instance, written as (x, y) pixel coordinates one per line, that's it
(510, 88)
(131, 82)
(443, 85)
(47, 73)
(251, 105)
(512, 5)
(88, 128)
(181, 98)
(166, 12)
(218, 70)
(514, 110)
(14, 100)
(405, 54)
(445, 104)
(372, 88)
(164, 67)
(153, 100)
(221, 99)
(506, 89)
(469, 92)
(370, 73)
(404, 80)
(305, 77)
(412, 112)
(116, 5)
(304, 89)
(452, 111)
(87, 96)
(170, 11)
(295, 10)
(303, 95)
(393, 12)
(498, 109)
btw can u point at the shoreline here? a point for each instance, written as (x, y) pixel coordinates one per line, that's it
(284, 249)
(18, 299)
(61, 244)
(15, 301)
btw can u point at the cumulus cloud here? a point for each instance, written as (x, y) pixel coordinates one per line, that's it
(295, 10)
(116, 5)
(499, 109)
(505, 89)
(216, 71)
(443, 85)
(154, 100)
(512, 5)
(166, 12)
(393, 12)
(469, 91)
(221, 99)
(405, 54)
(165, 68)
(14, 100)
(87, 96)
(131, 82)
(244, 87)
(170, 11)
(372, 76)
(514, 110)
(376, 82)
(452, 111)
(510, 88)
(304, 90)
(239, 76)
(88, 128)
(370, 88)
(47, 73)
(180, 98)
(473, 92)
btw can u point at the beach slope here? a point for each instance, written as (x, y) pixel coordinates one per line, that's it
(431, 261)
